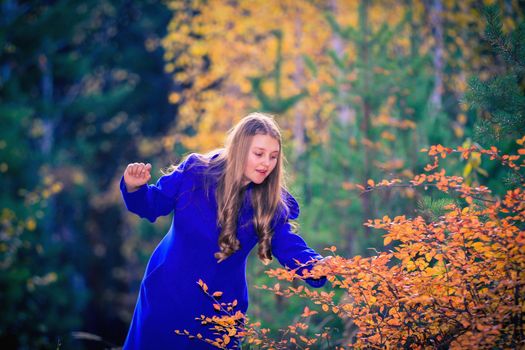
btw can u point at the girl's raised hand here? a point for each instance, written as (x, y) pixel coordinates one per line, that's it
(136, 175)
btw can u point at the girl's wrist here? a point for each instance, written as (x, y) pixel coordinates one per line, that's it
(131, 189)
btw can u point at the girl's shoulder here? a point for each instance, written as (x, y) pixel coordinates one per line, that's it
(195, 163)
(292, 206)
(288, 208)
(200, 170)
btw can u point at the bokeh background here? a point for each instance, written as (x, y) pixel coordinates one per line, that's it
(358, 88)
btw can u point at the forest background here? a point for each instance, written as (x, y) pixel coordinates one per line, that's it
(358, 87)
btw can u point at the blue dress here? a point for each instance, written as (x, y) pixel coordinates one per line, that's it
(169, 296)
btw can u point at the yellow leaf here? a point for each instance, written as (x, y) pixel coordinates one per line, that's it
(429, 256)
(467, 170)
(482, 171)
(479, 246)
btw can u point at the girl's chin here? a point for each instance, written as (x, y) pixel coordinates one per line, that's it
(258, 179)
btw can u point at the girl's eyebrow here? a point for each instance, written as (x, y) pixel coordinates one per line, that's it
(264, 149)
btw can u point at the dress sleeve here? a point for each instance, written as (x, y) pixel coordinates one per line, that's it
(288, 246)
(152, 201)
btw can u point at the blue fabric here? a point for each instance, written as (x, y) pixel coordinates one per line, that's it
(169, 296)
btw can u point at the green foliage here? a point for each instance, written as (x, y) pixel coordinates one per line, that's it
(501, 97)
(510, 46)
(431, 209)
(80, 83)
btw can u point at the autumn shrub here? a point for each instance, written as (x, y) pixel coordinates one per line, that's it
(454, 282)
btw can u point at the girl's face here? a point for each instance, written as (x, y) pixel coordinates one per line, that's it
(262, 159)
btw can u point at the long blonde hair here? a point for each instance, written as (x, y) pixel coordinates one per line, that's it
(228, 168)
(266, 197)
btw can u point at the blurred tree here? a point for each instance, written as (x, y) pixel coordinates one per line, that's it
(386, 86)
(77, 105)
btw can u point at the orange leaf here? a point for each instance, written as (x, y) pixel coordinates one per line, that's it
(429, 256)
(226, 339)
(307, 312)
(203, 285)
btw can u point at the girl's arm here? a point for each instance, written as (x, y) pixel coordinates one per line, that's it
(288, 246)
(152, 201)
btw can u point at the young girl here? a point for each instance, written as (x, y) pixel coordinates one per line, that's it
(224, 204)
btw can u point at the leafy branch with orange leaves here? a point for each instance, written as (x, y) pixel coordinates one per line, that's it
(229, 324)
(455, 282)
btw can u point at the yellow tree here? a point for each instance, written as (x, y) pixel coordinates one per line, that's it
(216, 50)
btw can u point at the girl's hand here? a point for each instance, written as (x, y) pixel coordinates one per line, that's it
(326, 258)
(136, 175)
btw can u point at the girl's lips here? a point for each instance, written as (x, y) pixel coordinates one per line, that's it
(262, 172)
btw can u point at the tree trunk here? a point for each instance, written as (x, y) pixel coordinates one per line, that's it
(367, 110)
(436, 24)
(7, 14)
(299, 112)
(47, 139)
(345, 114)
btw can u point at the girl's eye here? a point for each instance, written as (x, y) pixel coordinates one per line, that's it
(261, 154)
